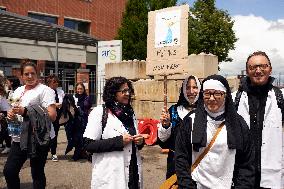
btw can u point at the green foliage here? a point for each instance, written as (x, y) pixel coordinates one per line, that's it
(210, 30)
(134, 27)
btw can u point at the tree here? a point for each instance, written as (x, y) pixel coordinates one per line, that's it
(134, 27)
(210, 30)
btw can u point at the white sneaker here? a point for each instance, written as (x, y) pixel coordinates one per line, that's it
(6, 151)
(54, 158)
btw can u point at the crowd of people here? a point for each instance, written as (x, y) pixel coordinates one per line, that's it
(231, 140)
(216, 138)
(30, 115)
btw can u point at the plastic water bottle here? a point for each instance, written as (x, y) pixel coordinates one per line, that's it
(14, 128)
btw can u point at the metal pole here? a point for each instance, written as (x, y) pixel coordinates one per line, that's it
(98, 83)
(56, 52)
(279, 84)
(165, 92)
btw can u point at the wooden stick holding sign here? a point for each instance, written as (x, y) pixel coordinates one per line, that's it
(167, 47)
(165, 92)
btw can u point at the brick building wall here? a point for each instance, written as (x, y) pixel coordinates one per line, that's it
(104, 15)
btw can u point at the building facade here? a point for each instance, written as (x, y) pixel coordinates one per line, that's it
(76, 63)
(99, 18)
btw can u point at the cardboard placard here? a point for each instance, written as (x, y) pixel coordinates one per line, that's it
(167, 40)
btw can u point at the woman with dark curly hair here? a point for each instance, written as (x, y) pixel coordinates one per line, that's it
(112, 135)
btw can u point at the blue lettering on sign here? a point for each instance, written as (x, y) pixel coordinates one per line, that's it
(111, 54)
(169, 40)
(105, 53)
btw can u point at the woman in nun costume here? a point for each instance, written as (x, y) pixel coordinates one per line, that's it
(229, 161)
(172, 118)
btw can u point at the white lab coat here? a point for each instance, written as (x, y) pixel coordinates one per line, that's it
(110, 169)
(272, 164)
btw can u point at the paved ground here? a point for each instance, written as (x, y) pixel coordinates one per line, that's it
(67, 174)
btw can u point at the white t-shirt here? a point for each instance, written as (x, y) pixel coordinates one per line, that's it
(40, 95)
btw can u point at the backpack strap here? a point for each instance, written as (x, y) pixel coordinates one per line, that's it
(172, 181)
(278, 94)
(238, 98)
(207, 149)
(87, 141)
(104, 118)
(279, 99)
(173, 115)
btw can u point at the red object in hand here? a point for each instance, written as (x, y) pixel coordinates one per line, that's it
(148, 128)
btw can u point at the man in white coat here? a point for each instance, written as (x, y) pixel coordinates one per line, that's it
(258, 102)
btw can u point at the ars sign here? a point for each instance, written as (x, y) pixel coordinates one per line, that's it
(109, 51)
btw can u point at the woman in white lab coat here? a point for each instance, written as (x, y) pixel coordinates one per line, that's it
(112, 136)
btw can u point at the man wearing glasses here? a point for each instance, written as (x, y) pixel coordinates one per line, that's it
(261, 105)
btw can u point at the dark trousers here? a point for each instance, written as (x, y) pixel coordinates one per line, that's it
(170, 164)
(53, 142)
(4, 136)
(15, 161)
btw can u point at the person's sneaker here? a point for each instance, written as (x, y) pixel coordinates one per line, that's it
(54, 158)
(6, 151)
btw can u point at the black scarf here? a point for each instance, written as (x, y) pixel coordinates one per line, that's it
(81, 98)
(125, 114)
(257, 97)
(256, 90)
(56, 96)
(199, 134)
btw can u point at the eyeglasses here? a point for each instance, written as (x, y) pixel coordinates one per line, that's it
(125, 91)
(261, 66)
(216, 94)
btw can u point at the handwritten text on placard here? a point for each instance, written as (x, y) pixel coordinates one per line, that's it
(166, 67)
(161, 53)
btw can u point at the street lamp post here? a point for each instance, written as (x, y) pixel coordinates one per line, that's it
(56, 51)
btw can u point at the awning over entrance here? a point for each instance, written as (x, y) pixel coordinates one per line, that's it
(17, 26)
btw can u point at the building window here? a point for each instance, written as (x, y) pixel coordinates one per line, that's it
(77, 25)
(47, 18)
